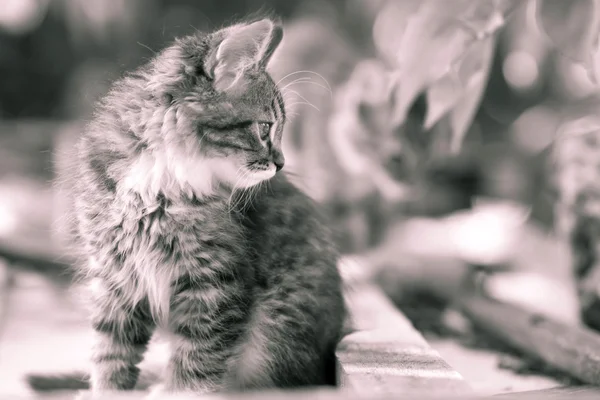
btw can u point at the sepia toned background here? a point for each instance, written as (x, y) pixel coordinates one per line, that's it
(415, 208)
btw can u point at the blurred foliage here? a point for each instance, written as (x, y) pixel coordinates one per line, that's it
(389, 91)
(53, 53)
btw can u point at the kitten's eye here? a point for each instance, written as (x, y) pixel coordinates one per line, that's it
(264, 130)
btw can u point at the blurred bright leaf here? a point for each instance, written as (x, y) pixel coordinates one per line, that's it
(466, 80)
(441, 96)
(485, 17)
(390, 24)
(463, 113)
(430, 43)
(427, 50)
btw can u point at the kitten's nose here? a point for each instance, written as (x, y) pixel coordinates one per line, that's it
(278, 160)
(279, 164)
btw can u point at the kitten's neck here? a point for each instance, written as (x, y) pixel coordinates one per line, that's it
(157, 174)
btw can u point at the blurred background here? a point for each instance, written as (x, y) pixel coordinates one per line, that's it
(415, 211)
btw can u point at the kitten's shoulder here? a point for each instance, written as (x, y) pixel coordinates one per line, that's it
(282, 189)
(282, 203)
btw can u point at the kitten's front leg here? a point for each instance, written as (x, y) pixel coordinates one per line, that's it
(205, 319)
(122, 332)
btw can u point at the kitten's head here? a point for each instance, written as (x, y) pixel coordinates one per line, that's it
(222, 114)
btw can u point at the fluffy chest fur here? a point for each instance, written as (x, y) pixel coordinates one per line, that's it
(148, 248)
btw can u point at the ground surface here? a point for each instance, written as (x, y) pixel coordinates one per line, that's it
(46, 331)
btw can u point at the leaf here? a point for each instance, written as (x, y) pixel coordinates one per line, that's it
(444, 94)
(428, 48)
(462, 115)
(572, 26)
(485, 17)
(425, 41)
(389, 26)
(441, 97)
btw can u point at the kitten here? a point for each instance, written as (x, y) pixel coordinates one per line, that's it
(185, 222)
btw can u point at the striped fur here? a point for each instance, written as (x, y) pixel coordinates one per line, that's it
(183, 223)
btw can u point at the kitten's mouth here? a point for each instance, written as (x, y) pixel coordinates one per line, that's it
(254, 176)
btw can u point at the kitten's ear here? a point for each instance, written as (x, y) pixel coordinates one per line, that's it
(271, 44)
(243, 47)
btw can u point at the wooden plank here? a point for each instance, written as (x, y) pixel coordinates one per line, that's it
(327, 394)
(577, 392)
(36, 259)
(573, 350)
(385, 354)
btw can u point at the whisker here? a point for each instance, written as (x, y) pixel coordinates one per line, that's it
(304, 98)
(240, 199)
(146, 46)
(285, 94)
(253, 194)
(287, 76)
(242, 193)
(310, 82)
(234, 187)
(307, 72)
(286, 100)
(263, 184)
(248, 194)
(202, 137)
(305, 79)
(245, 198)
(302, 178)
(303, 102)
